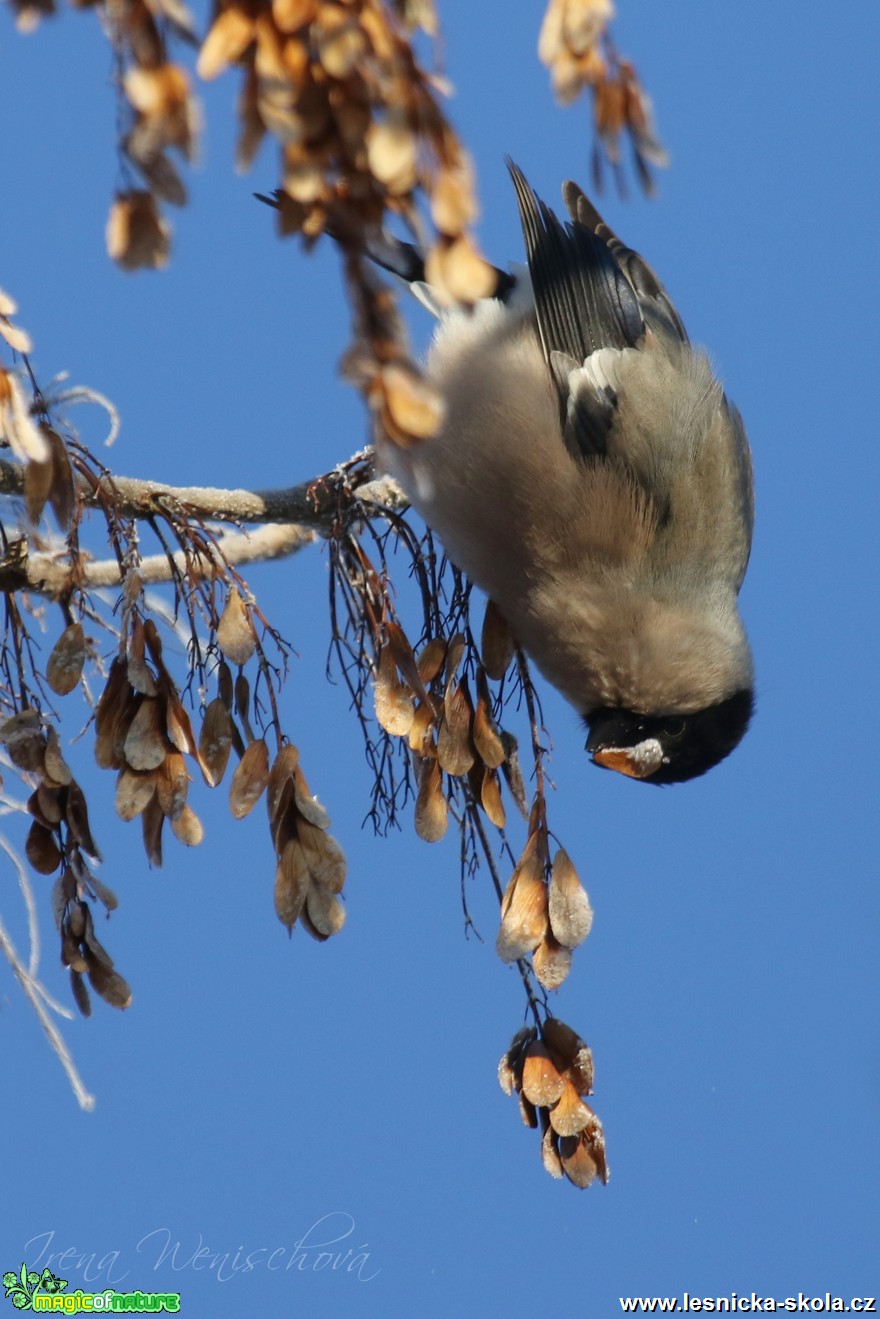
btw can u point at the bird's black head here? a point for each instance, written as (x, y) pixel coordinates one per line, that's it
(668, 748)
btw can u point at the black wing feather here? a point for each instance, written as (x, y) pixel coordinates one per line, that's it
(583, 298)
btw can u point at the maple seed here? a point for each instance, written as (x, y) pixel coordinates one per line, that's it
(235, 633)
(249, 779)
(571, 916)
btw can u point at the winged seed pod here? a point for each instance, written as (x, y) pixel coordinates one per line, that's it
(145, 744)
(54, 764)
(393, 699)
(455, 749)
(571, 916)
(432, 809)
(235, 631)
(292, 881)
(487, 740)
(510, 1068)
(551, 962)
(541, 1083)
(324, 857)
(307, 805)
(281, 782)
(496, 642)
(65, 664)
(431, 660)
(41, 849)
(215, 741)
(583, 1156)
(310, 864)
(549, 1076)
(135, 790)
(249, 780)
(140, 675)
(187, 827)
(325, 912)
(524, 906)
(490, 799)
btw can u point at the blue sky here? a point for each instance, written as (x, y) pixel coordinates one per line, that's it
(261, 1091)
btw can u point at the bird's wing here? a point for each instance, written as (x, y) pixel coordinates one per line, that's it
(655, 303)
(594, 298)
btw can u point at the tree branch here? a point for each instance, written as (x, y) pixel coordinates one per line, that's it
(51, 577)
(312, 503)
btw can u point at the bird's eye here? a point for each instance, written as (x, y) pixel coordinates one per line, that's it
(675, 728)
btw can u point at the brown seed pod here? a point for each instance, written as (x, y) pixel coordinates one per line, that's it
(324, 857)
(146, 744)
(571, 916)
(65, 664)
(77, 815)
(541, 1082)
(172, 785)
(431, 659)
(490, 799)
(249, 780)
(583, 1156)
(114, 707)
(432, 809)
(524, 907)
(135, 790)
(513, 774)
(152, 819)
(80, 993)
(110, 985)
(41, 849)
(570, 1115)
(54, 764)
(550, 1151)
(393, 700)
(23, 738)
(139, 674)
(235, 632)
(487, 740)
(570, 1053)
(215, 741)
(177, 724)
(421, 733)
(292, 883)
(496, 642)
(510, 1068)
(308, 806)
(551, 962)
(281, 782)
(455, 749)
(325, 911)
(187, 827)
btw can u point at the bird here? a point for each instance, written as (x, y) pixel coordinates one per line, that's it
(590, 475)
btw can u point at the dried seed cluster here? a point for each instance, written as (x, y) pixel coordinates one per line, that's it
(143, 731)
(551, 1071)
(338, 83)
(48, 476)
(427, 701)
(545, 910)
(164, 114)
(575, 45)
(60, 839)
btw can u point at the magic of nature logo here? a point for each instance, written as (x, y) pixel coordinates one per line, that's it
(45, 1291)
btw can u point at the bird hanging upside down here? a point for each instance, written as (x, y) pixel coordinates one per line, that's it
(592, 478)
